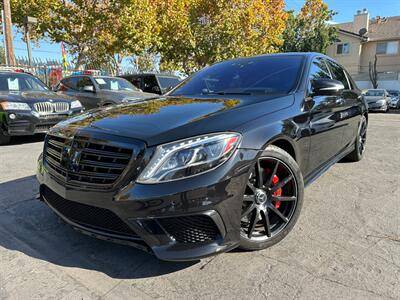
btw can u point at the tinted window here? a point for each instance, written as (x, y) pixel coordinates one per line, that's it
(82, 82)
(20, 82)
(262, 74)
(70, 82)
(167, 82)
(338, 74)
(114, 84)
(149, 82)
(319, 70)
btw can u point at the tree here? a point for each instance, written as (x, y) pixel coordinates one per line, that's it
(98, 32)
(373, 73)
(197, 33)
(309, 30)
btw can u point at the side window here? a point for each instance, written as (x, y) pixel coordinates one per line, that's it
(149, 82)
(338, 74)
(82, 82)
(69, 82)
(319, 70)
(352, 84)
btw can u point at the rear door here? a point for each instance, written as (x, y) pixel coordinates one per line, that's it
(325, 119)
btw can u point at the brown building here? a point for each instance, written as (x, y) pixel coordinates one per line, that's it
(362, 39)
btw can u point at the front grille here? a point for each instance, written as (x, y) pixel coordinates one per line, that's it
(51, 107)
(90, 217)
(81, 161)
(191, 229)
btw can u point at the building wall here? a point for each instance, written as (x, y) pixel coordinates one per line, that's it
(386, 63)
(350, 61)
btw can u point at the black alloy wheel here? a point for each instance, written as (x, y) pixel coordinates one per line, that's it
(272, 200)
(361, 140)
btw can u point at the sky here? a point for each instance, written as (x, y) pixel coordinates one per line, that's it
(345, 10)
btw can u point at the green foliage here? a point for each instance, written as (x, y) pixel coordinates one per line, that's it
(309, 30)
(197, 33)
(187, 34)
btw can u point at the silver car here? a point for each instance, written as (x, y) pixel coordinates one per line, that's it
(377, 100)
(394, 101)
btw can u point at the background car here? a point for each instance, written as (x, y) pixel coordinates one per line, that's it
(28, 107)
(98, 91)
(377, 100)
(153, 83)
(218, 163)
(394, 101)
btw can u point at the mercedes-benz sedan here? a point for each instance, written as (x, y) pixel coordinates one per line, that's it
(219, 162)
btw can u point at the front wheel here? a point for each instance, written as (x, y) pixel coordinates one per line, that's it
(272, 200)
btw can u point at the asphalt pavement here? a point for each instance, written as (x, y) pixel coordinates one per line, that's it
(346, 243)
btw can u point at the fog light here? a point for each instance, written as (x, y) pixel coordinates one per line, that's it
(12, 116)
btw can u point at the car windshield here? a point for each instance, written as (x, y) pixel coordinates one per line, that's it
(114, 84)
(394, 93)
(375, 93)
(249, 76)
(20, 82)
(167, 82)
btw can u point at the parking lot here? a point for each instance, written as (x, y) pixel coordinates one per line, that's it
(345, 244)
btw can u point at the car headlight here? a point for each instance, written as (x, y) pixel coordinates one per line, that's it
(15, 106)
(189, 157)
(76, 104)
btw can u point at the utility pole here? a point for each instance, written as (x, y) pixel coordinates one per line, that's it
(8, 33)
(27, 22)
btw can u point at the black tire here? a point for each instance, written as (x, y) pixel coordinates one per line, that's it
(285, 167)
(359, 146)
(4, 139)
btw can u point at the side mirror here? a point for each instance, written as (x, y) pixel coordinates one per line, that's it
(327, 87)
(88, 88)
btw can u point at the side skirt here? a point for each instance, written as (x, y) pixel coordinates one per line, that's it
(324, 168)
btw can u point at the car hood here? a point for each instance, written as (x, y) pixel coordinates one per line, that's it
(33, 96)
(171, 118)
(130, 95)
(371, 99)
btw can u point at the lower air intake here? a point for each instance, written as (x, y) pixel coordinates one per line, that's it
(191, 229)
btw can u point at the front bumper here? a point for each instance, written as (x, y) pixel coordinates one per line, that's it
(181, 220)
(377, 107)
(15, 123)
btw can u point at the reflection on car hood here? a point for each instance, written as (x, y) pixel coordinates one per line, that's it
(120, 95)
(170, 118)
(33, 96)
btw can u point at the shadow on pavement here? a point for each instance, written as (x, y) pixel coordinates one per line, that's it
(30, 227)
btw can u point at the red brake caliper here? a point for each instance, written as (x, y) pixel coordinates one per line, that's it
(278, 192)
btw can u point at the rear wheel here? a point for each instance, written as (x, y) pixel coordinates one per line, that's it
(361, 140)
(272, 200)
(4, 139)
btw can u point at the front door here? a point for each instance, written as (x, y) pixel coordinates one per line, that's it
(326, 127)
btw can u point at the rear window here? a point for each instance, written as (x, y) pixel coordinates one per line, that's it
(254, 75)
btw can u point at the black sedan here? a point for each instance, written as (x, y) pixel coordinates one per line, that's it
(99, 91)
(218, 163)
(28, 107)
